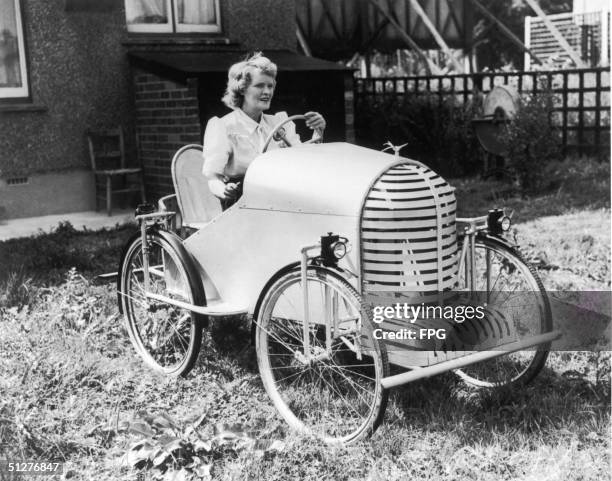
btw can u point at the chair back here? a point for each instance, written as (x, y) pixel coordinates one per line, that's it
(197, 203)
(106, 149)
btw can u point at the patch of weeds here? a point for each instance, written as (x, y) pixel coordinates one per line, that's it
(168, 449)
(17, 290)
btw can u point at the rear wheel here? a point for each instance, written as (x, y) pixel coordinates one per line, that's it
(517, 308)
(167, 337)
(334, 390)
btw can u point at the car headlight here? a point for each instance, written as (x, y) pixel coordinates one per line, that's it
(333, 248)
(498, 222)
(505, 223)
(339, 249)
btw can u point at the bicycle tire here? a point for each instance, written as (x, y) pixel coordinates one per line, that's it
(521, 367)
(167, 337)
(339, 398)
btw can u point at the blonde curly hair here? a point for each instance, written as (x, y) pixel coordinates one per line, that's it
(240, 75)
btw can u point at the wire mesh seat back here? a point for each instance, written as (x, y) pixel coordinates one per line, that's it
(196, 202)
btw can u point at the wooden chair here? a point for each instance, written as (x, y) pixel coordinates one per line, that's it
(107, 154)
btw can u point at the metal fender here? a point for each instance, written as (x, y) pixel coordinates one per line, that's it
(279, 273)
(192, 273)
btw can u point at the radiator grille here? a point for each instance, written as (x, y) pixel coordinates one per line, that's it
(407, 232)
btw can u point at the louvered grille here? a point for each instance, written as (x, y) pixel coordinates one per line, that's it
(407, 231)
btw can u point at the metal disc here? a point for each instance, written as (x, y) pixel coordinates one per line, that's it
(501, 97)
(500, 106)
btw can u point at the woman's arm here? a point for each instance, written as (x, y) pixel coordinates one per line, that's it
(217, 151)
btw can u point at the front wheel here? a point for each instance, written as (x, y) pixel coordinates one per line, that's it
(333, 389)
(167, 337)
(517, 307)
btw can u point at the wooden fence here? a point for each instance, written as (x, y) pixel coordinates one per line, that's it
(582, 98)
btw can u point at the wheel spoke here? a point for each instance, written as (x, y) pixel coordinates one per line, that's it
(163, 334)
(326, 391)
(517, 305)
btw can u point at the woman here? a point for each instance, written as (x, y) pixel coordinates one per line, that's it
(232, 142)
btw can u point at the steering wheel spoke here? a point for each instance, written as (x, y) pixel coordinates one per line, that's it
(278, 133)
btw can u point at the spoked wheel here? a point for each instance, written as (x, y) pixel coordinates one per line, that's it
(332, 390)
(167, 337)
(517, 309)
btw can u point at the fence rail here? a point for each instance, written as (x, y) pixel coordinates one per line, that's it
(582, 98)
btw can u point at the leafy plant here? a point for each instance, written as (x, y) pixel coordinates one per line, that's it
(17, 290)
(74, 306)
(439, 133)
(531, 141)
(179, 451)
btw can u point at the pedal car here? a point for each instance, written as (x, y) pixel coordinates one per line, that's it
(326, 251)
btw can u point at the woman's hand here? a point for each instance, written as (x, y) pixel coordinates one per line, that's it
(231, 190)
(222, 190)
(315, 120)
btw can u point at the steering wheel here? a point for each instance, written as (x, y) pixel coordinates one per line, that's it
(278, 133)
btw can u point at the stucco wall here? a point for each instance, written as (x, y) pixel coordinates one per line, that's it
(79, 74)
(261, 24)
(80, 79)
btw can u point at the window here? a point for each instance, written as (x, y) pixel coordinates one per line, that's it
(13, 74)
(172, 16)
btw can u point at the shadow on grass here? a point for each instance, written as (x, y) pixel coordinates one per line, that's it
(550, 407)
(227, 346)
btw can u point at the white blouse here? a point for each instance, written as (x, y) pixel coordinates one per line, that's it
(233, 141)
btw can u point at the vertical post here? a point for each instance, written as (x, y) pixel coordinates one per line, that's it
(527, 57)
(109, 195)
(597, 132)
(565, 113)
(329, 318)
(335, 313)
(145, 254)
(472, 262)
(350, 95)
(581, 113)
(306, 326)
(605, 39)
(488, 262)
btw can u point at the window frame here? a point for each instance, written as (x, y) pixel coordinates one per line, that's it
(11, 94)
(153, 27)
(191, 28)
(172, 26)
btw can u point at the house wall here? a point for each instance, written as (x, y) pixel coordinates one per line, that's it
(167, 118)
(261, 24)
(79, 79)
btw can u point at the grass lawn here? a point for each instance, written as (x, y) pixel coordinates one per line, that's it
(71, 385)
